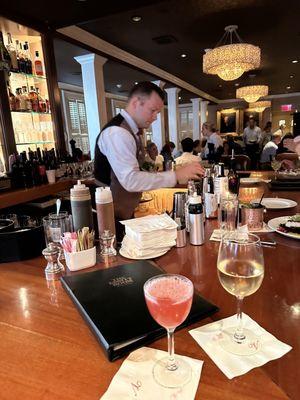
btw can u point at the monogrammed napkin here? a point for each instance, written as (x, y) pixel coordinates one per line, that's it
(208, 337)
(134, 380)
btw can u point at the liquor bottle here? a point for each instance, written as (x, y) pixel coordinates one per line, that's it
(42, 102)
(20, 58)
(28, 105)
(38, 65)
(5, 60)
(34, 99)
(13, 54)
(27, 170)
(233, 178)
(28, 62)
(220, 181)
(35, 168)
(42, 167)
(12, 98)
(21, 100)
(210, 199)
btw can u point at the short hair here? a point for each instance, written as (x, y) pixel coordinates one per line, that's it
(187, 145)
(210, 126)
(145, 89)
(276, 135)
(196, 143)
(150, 145)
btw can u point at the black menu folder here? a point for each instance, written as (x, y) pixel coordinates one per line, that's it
(112, 303)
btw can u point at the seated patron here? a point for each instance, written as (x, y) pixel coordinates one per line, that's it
(152, 158)
(214, 141)
(270, 149)
(187, 156)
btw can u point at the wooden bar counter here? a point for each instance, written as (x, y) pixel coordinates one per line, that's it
(48, 352)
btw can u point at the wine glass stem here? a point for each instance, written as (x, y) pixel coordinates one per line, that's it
(239, 334)
(171, 366)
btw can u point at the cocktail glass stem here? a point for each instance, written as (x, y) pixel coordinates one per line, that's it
(171, 365)
(239, 333)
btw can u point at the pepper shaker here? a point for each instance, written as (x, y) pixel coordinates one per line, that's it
(54, 268)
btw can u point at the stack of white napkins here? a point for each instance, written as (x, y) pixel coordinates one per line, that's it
(148, 236)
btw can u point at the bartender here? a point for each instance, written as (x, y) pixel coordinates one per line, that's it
(119, 153)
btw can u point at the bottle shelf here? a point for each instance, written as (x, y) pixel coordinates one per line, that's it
(31, 112)
(39, 142)
(42, 77)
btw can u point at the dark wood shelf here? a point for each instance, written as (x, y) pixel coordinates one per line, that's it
(20, 196)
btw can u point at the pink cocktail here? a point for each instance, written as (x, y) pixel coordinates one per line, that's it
(169, 298)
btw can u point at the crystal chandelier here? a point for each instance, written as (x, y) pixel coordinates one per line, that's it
(230, 61)
(259, 106)
(252, 93)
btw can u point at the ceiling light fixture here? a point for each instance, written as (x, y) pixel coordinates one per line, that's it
(230, 60)
(136, 18)
(259, 106)
(228, 111)
(119, 85)
(252, 93)
(179, 97)
(135, 83)
(183, 56)
(288, 87)
(294, 61)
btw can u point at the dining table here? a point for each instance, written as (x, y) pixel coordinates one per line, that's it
(48, 351)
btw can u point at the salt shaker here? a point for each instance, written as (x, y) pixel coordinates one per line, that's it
(107, 240)
(55, 268)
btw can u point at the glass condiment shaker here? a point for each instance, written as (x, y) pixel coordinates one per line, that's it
(107, 240)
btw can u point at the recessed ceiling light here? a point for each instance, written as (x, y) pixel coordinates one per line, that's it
(252, 75)
(236, 84)
(292, 76)
(135, 83)
(179, 97)
(119, 85)
(183, 56)
(288, 87)
(220, 85)
(136, 18)
(294, 61)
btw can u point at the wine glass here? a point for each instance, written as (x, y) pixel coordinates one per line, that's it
(240, 272)
(169, 299)
(275, 164)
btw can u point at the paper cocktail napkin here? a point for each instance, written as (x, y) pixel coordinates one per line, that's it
(134, 380)
(233, 365)
(216, 234)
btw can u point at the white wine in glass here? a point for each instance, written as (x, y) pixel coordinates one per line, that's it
(240, 272)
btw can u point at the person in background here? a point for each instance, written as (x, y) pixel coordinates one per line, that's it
(269, 150)
(233, 145)
(167, 152)
(266, 135)
(283, 145)
(119, 154)
(187, 156)
(152, 157)
(252, 139)
(77, 154)
(197, 147)
(214, 141)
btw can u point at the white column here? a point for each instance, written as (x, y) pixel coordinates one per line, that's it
(196, 118)
(94, 94)
(158, 126)
(203, 111)
(173, 115)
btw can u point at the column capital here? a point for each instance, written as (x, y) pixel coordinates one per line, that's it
(90, 58)
(159, 83)
(196, 100)
(172, 90)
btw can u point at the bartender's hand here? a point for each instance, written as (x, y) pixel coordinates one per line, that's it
(191, 171)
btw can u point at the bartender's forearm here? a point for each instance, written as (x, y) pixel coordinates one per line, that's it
(139, 181)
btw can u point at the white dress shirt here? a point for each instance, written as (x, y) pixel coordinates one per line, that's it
(186, 158)
(269, 150)
(118, 145)
(251, 136)
(216, 140)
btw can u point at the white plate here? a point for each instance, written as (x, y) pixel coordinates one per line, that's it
(154, 255)
(250, 181)
(276, 203)
(274, 224)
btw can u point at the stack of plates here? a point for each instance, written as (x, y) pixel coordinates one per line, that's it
(148, 237)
